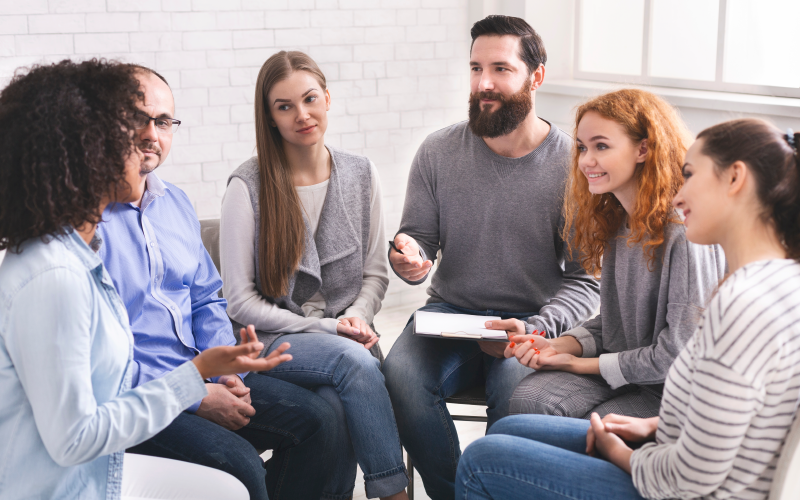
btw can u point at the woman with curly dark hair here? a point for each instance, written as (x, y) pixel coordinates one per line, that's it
(68, 413)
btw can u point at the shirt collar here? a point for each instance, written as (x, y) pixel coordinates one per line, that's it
(82, 251)
(154, 188)
(155, 185)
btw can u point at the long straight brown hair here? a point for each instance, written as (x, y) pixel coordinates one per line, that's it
(281, 226)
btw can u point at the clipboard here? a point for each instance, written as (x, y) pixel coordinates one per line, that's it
(456, 326)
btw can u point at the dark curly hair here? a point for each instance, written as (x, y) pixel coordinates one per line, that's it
(64, 139)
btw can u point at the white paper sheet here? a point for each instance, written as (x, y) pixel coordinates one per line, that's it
(456, 325)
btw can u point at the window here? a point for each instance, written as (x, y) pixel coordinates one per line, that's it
(749, 46)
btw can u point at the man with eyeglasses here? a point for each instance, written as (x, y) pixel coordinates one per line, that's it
(154, 254)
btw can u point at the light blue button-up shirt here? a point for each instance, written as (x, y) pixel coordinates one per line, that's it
(66, 361)
(167, 280)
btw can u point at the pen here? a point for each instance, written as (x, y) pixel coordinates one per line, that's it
(391, 244)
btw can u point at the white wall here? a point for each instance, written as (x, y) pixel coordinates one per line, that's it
(397, 70)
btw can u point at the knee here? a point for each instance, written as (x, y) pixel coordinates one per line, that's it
(507, 425)
(392, 371)
(357, 357)
(487, 450)
(403, 383)
(238, 457)
(357, 363)
(534, 395)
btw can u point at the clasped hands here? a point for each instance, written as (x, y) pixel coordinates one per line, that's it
(607, 437)
(535, 351)
(355, 328)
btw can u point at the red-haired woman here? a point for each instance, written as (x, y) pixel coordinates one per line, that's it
(626, 169)
(730, 397)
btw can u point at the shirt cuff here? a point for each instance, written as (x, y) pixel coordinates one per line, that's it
(353, 311)
(418, 282)
(585, 339)
(610, 370)
(187, 385)
(215, 380)
(328, 325)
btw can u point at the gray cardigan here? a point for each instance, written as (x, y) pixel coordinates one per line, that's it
(647, 316)
(333, 259)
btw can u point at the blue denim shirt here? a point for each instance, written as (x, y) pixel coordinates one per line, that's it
(66, 351)
(167, 280)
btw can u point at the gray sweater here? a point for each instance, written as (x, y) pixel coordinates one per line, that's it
(498, 223)
(647, 316)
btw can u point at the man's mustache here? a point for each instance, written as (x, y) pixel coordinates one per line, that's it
(149, 148)
(495, 96)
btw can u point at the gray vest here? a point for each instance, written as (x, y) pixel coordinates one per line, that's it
(333, 260)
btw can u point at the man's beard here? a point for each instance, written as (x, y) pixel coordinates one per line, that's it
(144, 168)
(512, 111)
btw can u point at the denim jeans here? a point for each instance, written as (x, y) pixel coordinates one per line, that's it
(542, 457)
(320, 360)
(421, 372)
(293, 422)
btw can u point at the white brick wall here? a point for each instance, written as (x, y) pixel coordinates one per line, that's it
(397, 70)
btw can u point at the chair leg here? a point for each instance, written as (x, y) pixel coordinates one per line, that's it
(410, 468)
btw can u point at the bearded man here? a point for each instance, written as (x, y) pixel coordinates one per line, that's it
(486, 193)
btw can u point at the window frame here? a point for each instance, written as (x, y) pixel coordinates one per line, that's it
(646, 79)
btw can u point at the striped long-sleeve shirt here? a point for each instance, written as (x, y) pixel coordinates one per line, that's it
(732, 393)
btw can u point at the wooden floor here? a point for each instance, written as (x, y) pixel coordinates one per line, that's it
(390, 324)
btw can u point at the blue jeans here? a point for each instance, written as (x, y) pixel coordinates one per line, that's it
(542, 457)
(323, 360)
(295, 423)
(421, 372)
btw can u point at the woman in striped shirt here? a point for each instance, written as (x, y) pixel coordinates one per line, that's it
(732, 393)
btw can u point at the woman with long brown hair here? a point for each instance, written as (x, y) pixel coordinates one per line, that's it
(303, 252)
(625, 171)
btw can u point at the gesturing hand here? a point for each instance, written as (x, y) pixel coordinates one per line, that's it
(223, 407)
(227, 360)
(409, 264)
(357, 329)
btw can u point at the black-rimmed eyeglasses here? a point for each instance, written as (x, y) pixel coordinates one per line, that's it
(163, 125)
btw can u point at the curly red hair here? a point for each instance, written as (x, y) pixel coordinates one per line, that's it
(595, 219)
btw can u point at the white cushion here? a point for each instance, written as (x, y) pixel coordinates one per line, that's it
(154, 478)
